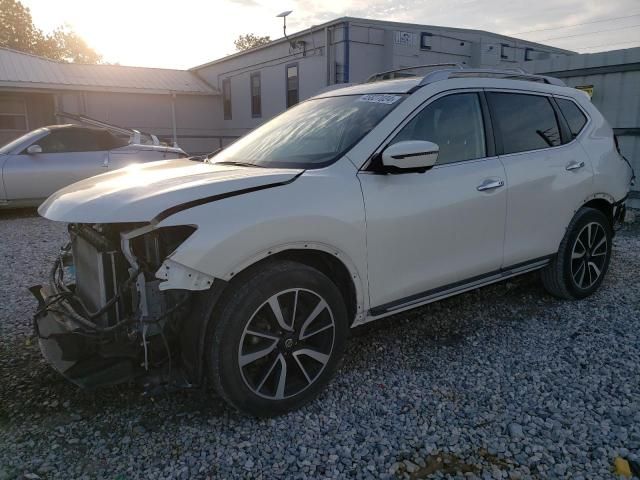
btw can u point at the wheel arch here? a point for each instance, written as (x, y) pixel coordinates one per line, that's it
(603, 203)
(330, 261)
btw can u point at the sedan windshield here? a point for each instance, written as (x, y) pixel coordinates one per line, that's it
(312, 134)
(25, 139)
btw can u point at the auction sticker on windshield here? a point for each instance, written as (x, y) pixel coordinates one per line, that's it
(379, 98)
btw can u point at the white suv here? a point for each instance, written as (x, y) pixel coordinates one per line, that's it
(246, 272)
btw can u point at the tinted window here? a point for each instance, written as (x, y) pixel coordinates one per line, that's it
(525, 122)
(256, 95)
(226, 98)
(574, 116)
(312, 134)
(292, 85)
(73, 140)
(453, 122)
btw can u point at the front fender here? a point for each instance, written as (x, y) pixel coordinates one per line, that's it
(321, 210)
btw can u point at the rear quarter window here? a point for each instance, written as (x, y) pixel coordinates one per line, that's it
(573, 115)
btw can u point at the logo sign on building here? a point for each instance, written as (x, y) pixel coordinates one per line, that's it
(588, 89)
(405, 39)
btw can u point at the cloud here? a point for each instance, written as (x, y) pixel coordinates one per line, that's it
(499, 16)
(195, 31)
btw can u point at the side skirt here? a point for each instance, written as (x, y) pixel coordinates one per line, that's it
(439, 293)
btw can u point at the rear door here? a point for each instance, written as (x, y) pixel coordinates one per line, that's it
(429, 230)
(68, 155)
(548, 174)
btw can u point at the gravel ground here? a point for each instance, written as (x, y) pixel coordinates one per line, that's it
(505, 382)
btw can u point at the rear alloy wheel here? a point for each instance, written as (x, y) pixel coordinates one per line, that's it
(589, 255)
(583, 257)
(276, 338)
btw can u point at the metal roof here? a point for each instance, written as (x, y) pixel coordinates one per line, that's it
(22, 70)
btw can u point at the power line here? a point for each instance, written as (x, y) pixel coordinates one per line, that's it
(609, 44)
(590, 33)
(577, 24)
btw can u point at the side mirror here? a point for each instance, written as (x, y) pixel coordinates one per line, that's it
(34, 149)
(411, 155)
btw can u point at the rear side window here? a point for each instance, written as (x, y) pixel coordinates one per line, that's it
(524, 122)
(454, 123)
(573, 115)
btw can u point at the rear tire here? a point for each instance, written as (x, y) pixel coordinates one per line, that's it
(583, 258)
(276, 338)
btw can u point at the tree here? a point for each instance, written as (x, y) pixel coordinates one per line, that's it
(18, 32)
(245, 42)
(67, 46)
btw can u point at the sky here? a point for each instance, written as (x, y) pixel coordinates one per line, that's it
(186, 33)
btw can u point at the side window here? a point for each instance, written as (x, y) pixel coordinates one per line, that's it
(71, 140)
(525, 122)
(109, 141)
(454, 123)
(226, 98)
(573, 115)
(292, 85)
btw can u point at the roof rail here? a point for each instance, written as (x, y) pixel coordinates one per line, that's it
(518, 74)
(461, 71)
(391, 74)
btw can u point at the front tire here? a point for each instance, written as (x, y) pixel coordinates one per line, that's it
(583, 258)
(276, 338)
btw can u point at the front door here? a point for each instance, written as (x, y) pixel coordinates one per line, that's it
(430, 230)
(68, 155)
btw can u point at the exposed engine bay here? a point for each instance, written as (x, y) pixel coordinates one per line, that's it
(104, 318)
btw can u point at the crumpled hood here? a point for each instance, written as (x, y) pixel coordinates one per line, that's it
(142, 192)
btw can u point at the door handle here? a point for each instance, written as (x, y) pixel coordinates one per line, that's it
(490, 184)
(573, 165)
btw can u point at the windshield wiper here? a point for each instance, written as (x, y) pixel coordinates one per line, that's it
(238, 164)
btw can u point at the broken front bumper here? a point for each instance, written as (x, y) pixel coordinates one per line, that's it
(84, 358)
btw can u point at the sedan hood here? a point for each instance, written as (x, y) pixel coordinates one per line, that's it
(144, 192)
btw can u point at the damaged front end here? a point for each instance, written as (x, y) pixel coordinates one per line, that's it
(113, 309)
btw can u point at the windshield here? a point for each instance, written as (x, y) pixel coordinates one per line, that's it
(27, 138)
(312, 134)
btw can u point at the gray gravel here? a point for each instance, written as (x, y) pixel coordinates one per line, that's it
(505, 382)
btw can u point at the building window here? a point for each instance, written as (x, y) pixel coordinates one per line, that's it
(226, 98)
(507, 52)
(13, 114)
(256, 95)
(292, 85)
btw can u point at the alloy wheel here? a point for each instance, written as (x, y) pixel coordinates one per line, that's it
(286, 344)
(589, 255)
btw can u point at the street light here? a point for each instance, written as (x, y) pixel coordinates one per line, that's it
(284, 16)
